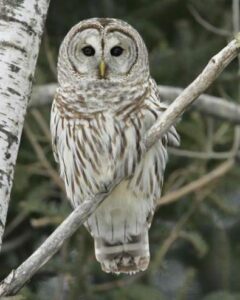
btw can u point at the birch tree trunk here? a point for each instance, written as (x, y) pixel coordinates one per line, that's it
(21, 28)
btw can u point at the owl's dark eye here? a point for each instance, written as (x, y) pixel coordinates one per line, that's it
(116, 51)
(88, 50)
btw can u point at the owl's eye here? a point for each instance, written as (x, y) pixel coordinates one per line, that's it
(116, 51)
(88, 50)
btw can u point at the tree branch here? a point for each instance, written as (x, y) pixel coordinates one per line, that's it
(197, 184)
(213, 69)
(19, 47)
(17, 278)
(206, 24)
(205, 155)
(213, 106)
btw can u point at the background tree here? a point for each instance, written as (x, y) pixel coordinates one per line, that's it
(19, 47)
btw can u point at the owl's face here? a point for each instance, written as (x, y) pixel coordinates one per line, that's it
(105, 49)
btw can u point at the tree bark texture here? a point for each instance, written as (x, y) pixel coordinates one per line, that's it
(21, 28)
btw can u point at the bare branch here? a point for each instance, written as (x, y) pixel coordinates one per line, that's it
(49, 55)
(210, 105)
(205, 155)
(42, 124)
(17, 278)
(213, 106)
(236, 28)
(172, 237)
(206, 24)
(43, 94)
(42, 158)
(11, 245)
(236, 15)
(195, 185)
(213, 69)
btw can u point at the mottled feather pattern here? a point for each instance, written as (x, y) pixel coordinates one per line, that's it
(102, 148)
(97, 131)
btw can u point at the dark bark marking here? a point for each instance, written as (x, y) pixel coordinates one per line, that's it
(14, 46)
(7, 175)
(14, 92)
(30, 77)
(37, 9)
(13, 3)
(1, 223)
(11, 138)
(14, 68)
(7, 155)
(8, 18)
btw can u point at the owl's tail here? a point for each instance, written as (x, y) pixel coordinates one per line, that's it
(126, 257)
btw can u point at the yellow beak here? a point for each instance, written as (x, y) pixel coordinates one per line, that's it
(102, 69)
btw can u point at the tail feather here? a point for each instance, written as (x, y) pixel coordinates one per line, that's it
(125, 257)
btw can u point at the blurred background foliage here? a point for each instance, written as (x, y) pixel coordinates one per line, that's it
(195, 244)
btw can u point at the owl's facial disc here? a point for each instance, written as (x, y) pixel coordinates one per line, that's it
(85, 52)
(95, 54)
(120, 53)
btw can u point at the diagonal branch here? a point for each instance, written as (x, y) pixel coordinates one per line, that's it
(213, 69)
(197, 184)
(17, 278)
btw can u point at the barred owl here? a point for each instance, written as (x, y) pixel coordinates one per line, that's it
(105, 103)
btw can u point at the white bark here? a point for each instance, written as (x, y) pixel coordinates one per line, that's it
(21, 27)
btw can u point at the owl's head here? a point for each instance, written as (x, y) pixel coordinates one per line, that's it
(103, 49)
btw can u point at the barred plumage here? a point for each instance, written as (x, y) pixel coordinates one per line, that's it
(97, 125)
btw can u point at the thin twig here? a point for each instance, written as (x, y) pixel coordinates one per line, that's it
(216, 107)
(195, 185)
(172, 237)
(42, 123)
(15, 223)
(15, 243)
(17, 278)
(236, 15)
(213, 69)
(49, 55)
(206, 24)
(46, 221)
(41, 156)
(236, 28)
(201, 155)
(209, 144)
(102, 287)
